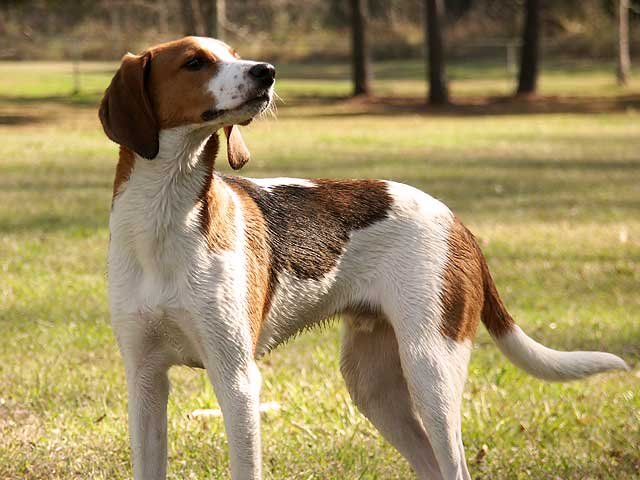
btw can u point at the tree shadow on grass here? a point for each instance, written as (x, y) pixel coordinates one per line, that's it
(83, 99)
(54, 223)
(19, 120)
(467, 106)
(19, 111)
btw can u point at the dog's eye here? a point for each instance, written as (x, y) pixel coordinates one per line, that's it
(194, 64)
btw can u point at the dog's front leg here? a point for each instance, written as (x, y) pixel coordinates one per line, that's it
(236, 382)
(146, 367)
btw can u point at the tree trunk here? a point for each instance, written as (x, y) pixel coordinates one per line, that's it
(212, 11)
(438, 92)
(192, 17)
(163, 17)
(624, 60)
(360, 53)
(530, 51)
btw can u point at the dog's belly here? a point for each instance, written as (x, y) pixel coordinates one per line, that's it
(299, 304)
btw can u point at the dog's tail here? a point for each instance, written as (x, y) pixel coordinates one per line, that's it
(531, 356)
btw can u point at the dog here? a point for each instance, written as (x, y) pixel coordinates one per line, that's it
(213, 271)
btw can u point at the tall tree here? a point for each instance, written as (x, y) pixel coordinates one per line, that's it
(438, 91)
(530, 51)
(624, 60)
(191, 17)
(360, 53)
(213, 12)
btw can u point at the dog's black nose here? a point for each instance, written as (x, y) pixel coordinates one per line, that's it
(265, 73)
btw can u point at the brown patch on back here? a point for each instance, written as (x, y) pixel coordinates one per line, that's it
(468, 290)
(305, 229)
(217, 210)
(309, 226)
(462, 295)
(124, 168)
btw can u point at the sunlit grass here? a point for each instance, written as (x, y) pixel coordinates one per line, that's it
(554, 200)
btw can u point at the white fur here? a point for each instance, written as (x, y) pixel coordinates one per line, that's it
(553, 365)
(435, 367)
(220, 49)
(226, 85)
(231, 83)
(269, 183)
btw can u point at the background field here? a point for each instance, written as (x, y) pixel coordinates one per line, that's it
(552, 190)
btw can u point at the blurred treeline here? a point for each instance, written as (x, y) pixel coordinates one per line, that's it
(286, 30)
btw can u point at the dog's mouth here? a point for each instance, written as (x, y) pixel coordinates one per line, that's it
(248, 109)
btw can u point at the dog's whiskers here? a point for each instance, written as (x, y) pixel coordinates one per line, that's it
(271, 110)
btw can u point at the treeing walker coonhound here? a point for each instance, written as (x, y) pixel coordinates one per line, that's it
(214, 271)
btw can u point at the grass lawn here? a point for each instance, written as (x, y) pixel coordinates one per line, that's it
(551, 190)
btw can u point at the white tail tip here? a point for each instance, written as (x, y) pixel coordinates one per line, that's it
(553, 365)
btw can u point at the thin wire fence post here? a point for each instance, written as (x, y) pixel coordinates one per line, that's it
(75, 62)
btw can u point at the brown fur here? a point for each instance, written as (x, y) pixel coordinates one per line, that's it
(217, 210)
(494, 314)
(308, 228)
(462, 294)
(177, 94)
(126, 161)
(154, 91)
(237, 152)
(259, 288)
(217, 222)
(364, 317)
(469, 292)
(126, 112)
(370, 365)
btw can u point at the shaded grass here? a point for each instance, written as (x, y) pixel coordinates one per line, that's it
(554, 200)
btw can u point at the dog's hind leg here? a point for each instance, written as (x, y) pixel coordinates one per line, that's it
(370, 365)
(435, 369)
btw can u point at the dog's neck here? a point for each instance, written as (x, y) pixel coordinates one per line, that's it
(182, 150)
(184, 154)
(168, 187)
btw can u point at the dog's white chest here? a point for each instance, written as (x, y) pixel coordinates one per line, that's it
(149, 289)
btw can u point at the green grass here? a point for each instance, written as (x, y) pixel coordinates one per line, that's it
(554, 199)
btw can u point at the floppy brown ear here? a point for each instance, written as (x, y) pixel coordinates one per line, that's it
(126, 113)
(237, 151)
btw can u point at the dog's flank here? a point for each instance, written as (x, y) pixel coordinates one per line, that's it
(308, 225)
(214, 271)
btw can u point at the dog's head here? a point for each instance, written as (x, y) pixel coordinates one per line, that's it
(200, 83)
